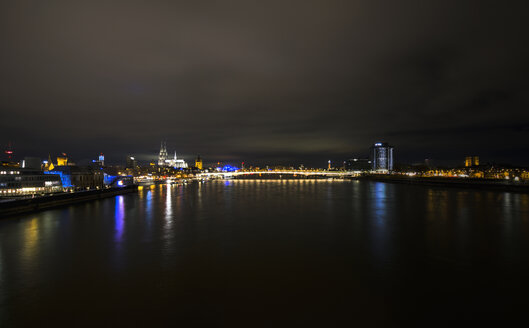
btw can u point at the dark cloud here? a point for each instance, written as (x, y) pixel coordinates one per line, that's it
(286, 81)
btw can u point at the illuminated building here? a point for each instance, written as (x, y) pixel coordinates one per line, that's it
(471, 161)
(100, 161)
(162, 157)
(329, 165)
(49, 164)
(176, 163)
(20, 182)
(382, 157)
(229, 168)
(468, 161)
(198, 163)
(78, 177)
(62, 160)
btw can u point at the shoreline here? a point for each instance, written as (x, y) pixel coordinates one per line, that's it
(28, 205)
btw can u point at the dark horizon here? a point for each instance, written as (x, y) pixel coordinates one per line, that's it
(301, 82)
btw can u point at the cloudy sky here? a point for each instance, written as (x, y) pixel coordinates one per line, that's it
(266, 81)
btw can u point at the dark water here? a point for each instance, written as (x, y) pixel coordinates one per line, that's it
(270, 253)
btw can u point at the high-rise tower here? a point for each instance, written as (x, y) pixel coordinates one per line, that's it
(163, 154)
(382, 157)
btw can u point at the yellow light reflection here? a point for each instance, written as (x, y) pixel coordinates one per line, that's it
(31, 235)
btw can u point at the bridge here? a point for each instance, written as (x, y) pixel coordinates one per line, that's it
(293, 173)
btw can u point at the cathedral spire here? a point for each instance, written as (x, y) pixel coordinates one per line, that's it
(162, 157)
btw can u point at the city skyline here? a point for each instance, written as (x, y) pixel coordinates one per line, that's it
(163, 158)
(321, 82)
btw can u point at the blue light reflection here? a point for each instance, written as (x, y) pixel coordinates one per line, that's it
(119, 218)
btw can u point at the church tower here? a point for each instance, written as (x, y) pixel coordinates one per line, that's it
(163, 154)
(198, 163)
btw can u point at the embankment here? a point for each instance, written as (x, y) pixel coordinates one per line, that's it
(25, 205)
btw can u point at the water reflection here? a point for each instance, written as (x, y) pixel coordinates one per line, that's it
(168, 205)
(379, 234)
(379, 201)
(168, 219)
(119, 218)
(31, 235)
(148, 207)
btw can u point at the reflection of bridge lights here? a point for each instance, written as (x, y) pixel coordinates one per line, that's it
(119, 218)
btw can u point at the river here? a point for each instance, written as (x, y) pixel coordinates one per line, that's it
(269, 253)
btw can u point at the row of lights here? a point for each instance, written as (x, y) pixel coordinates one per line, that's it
(22, 190)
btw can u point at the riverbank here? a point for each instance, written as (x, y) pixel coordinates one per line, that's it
(472, 183)
(25, 205)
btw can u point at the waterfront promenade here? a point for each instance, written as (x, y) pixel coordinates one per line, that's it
(25, 205)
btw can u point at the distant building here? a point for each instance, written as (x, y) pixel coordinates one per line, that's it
(99, 162)
(468, 161)
(471, 161)
(382, 157)
(162, 157)
(358, 164)
(198, 163)
(131, 162)
(101, 159)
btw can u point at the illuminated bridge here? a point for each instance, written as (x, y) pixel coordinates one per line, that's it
(287, 173)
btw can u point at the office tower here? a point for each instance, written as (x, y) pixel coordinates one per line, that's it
(382, 157)
(131, 162)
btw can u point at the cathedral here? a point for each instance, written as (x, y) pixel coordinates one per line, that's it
(163, 159)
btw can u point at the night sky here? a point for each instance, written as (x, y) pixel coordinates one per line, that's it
(285, 82)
